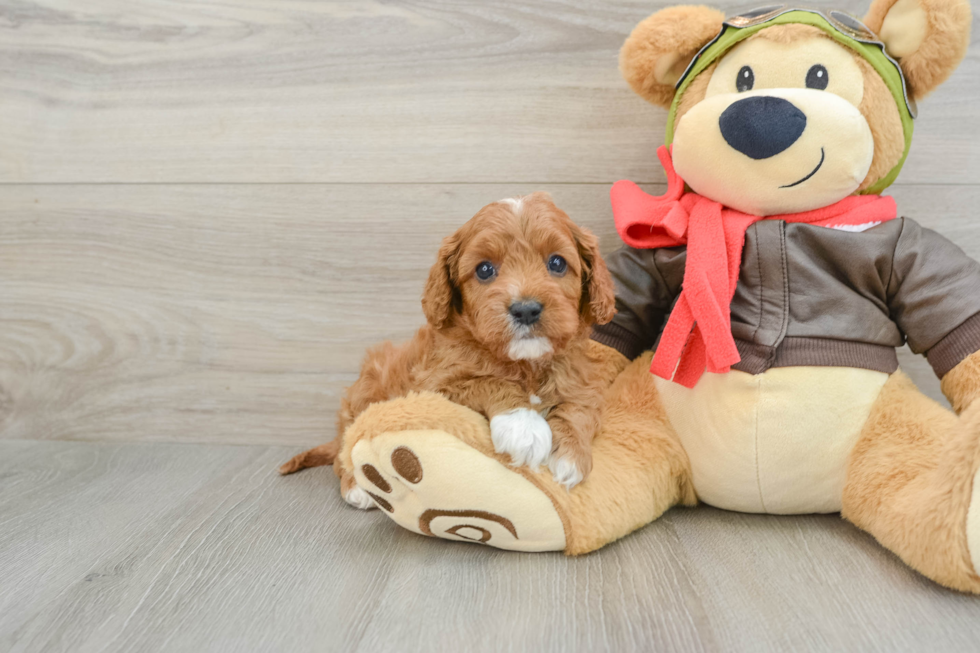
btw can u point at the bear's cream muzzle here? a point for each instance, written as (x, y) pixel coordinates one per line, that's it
(773, 151)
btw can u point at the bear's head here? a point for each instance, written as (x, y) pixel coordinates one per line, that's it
(786, 110)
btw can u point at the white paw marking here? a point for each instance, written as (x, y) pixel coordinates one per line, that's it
(523, 435)
(565, 471)
(359, 499)
(529, 348)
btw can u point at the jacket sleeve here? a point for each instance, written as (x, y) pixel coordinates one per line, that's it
(934, 297)
(647, 283)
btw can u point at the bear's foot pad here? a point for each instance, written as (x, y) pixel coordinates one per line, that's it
(431, 483)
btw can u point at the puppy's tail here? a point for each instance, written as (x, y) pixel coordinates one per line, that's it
(315, 457)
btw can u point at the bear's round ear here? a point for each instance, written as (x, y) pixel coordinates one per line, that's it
(661, 46)
(928, 37)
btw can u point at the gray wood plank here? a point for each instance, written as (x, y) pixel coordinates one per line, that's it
(229, 313)
(815, 583)
(239, 313)
(355, 91)
(235, 314)
(164, 547)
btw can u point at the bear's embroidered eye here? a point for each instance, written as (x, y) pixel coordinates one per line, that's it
(817, 77)
(745, 79)
(557, 265)
(485, 271)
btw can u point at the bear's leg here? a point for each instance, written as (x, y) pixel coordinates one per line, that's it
(639, 467)
(910, 482)
(430, 465)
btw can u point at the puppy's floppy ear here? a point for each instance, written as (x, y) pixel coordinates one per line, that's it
(598, 293)
(441, 296)
(928, 37)
(661, 46)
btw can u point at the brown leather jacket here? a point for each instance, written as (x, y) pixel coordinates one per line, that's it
(811, 295)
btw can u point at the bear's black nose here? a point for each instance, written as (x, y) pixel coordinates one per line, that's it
(762, 126)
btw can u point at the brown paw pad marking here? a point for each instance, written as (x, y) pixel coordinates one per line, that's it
(381, 502)
(373, 475)
(407, 464)
(484, 533)
(425, 523)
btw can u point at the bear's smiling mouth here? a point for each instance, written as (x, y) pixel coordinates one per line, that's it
(813, 172)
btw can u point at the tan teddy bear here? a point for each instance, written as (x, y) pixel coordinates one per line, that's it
(775, 284)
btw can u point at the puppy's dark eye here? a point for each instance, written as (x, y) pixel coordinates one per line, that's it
(557, 265)
(485, 271)
(745, 79)
(817, 77)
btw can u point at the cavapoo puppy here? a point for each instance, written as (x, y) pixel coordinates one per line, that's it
(509, 304)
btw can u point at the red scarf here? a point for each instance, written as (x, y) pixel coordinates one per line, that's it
(698, 334)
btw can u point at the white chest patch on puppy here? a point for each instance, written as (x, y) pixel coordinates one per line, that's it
(527, 349)
(523, 435)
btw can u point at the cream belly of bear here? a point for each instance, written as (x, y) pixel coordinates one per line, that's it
(776, 442)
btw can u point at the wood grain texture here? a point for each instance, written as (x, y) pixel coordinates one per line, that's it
(209, 210)
(239, 313)
(358, 91)
(204, 313)
(163, 547)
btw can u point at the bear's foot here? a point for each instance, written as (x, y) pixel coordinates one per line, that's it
(432, 483)
(430, 465)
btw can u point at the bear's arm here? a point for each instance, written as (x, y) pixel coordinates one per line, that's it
(647, 283)
(934, 297)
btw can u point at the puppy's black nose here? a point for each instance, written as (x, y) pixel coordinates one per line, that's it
(526, 312)
(762, 126)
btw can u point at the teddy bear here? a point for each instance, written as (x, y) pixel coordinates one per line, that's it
(752, 363)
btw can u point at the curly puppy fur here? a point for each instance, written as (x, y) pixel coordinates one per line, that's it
(465, 352)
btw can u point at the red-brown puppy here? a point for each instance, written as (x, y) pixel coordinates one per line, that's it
(509, 304)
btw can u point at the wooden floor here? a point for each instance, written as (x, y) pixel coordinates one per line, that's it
(202, 547)
(208, 210)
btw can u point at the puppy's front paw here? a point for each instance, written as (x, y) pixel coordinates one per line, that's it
(565, 471)
(354, 494)
(523, 435)
(359, 499)
(570, 464)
